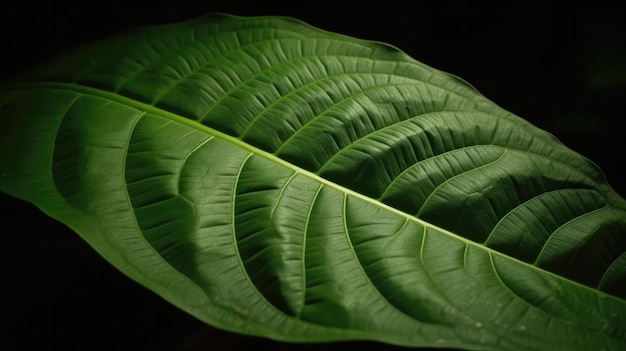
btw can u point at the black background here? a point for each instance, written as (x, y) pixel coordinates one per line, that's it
(562, 68)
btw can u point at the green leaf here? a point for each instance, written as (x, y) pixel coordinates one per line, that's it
(278, 180)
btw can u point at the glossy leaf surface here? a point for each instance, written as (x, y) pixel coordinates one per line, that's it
(274, 179)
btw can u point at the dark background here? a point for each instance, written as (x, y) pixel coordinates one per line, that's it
(562, 68)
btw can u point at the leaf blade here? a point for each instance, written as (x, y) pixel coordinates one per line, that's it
(230, 209)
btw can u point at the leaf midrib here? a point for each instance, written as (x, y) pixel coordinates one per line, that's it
(147, 108)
